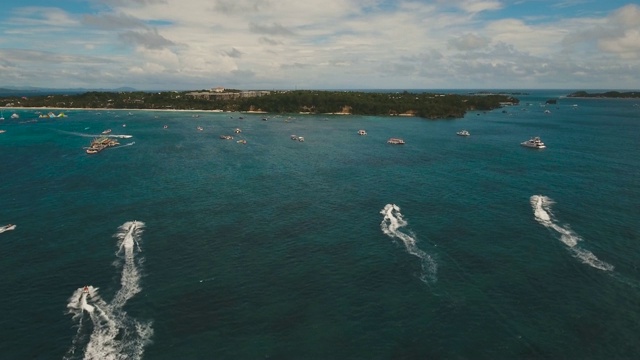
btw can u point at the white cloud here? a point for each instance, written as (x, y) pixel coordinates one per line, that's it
(318, 43)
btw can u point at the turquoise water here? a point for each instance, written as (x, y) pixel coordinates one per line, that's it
(338, 247)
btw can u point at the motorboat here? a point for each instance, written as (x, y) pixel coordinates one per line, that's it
(395, 141)
(3, 131)
(237, 131)
(226, 137)
(7, 228)
(165, 127)
(362, 132)
(242, 141)
(463, 133)
(15, 116)
(534, 142)
(300, 138)
(200, 128)
(294, 137)
(108, 131)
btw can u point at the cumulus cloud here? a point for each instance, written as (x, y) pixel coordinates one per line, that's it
(469, 42)
(150, 39)
(272, 30)
(234, 53)
(113, 21)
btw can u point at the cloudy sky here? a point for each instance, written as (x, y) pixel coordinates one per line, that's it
(320, 44)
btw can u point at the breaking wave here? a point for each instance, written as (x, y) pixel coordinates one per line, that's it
(104, 329)
(391, 224)
(542, 211)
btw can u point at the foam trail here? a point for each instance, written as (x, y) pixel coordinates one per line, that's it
(542, 212)
(390, 225)
(129, 234)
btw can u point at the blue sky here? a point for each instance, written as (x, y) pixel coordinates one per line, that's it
(320, 44)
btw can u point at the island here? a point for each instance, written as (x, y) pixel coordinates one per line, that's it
(608, 94)
(425, 105)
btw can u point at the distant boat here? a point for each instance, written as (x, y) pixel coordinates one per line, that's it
(237, 131)
(108, 131)
(1, 116)
(395, 141)
(242, 141)
(362, 132)
(200, 128)
(7, 228)
(15, 116)
(165, 127)
(463, 133)
(3, 131)
(294, 137)
(534, 142)
(300, 138)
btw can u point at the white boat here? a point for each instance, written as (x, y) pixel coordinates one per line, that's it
(300, 138)
(108, 131)
(463, 133)
(294, 137)
(395, 141)
(7, 228)
(362, 132)
(534, 142)
(200, 128)
(237, 131)
(3, 131)
(15, 116)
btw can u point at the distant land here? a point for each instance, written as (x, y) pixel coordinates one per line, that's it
(27, 90)
(608, 94)
(425, 104)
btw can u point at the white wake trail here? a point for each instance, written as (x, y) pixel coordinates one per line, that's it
(542, 212)
(114, 334)
(390, 225)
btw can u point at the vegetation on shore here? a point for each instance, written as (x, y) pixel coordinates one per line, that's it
(608, 94)
(426, 105)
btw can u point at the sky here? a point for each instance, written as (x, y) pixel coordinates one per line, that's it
(320, 44)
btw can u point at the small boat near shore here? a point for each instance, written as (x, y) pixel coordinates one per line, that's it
(7, 227)
(108, 131)
(463, 133)
(395, 141)
(534, 143)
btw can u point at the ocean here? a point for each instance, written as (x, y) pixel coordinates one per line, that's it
(338, 247)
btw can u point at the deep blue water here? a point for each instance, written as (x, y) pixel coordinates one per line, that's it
(290, 250)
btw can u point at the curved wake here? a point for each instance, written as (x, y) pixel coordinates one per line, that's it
(542, 211)
(390, 225)
(105, 331)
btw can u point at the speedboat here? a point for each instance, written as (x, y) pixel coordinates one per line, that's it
(300, 138)
(294, 137)
(362, 132)
(200, 128)
(242, 141)
(15, 116)
(3, 131)
(237, 131)
(226, 137)
(7, 228)
(108, 131)
(463, 133)
(534, 142)
(395, 141)
(165, 127)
